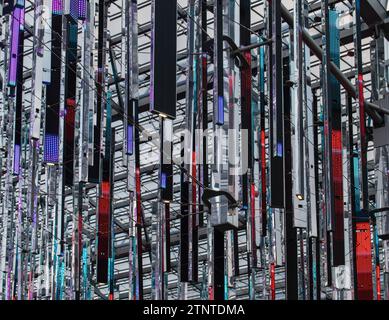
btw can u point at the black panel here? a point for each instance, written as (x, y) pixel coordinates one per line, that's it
(218, 270)
(94, 171)
(19, 93)
(167, 240)
(277, 173)
(246, 118)
(70, 102)
(195, 250)
(236, 251)
(163, 91)
(53, 92)
(184, 233)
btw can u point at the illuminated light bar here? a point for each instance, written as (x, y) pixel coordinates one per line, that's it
(51, 149)
(16, 164)
(71, 9)
(220, 111)
(57, 7)
(218, 59)
(163, 180)
(363, 261)
(74, 9)
(130, 139)
(21, 20)
(18, 106)
(253, 248)
(82, 9)
(17, 18)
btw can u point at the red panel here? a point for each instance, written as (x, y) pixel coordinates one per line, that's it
(103, 234)
(364, 268)
(210, 294)
(105, 189)
(272, 282)
(337, 173)
(69, 120)
(378, 281)
(253, 242)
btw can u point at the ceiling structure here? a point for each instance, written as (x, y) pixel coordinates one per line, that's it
(149, 146)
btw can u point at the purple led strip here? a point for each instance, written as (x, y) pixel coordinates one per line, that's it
(220, 110)
(17, 18)
(57, 7)
(21, 20)
(82, 7)
(16, 164)
(74, 4)
(163, 180)
(130, 139)
(280, 151)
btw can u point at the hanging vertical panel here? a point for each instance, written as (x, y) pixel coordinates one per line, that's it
(163, 58)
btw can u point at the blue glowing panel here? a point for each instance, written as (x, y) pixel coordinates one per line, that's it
(74, 9)
(51, 150)
(220, 111)
(82, 8)
(279, 150)
(130, 139)
(16, 166)
(163, 180)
